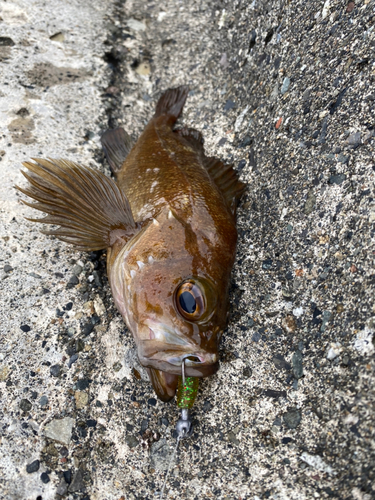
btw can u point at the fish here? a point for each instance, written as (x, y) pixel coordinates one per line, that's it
(167, 219)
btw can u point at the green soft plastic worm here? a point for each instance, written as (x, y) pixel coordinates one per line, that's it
(186, 393)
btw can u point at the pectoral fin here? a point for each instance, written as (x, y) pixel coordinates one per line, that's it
(91, 210)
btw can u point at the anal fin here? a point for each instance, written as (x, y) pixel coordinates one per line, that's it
(116, 145)
(91, 210)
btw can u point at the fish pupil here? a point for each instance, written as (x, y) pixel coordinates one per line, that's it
(187, 302)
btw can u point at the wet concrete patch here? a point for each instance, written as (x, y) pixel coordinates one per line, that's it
(47, 75)
(21, 130)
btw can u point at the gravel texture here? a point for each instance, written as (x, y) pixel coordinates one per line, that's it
(285, 92)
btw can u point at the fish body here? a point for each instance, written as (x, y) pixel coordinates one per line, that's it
(168, 224)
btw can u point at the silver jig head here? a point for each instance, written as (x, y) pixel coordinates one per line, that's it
(184, 429)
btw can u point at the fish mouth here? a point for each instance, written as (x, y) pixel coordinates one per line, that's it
(167, 351)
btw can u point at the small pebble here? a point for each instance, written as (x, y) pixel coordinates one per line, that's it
(280, 362)
(229, 105)
(73, 281)
(287, 293)
(87, 328)
(285, 85)
(55, 370)
(82, 399)
(7, 268)
(72, 360)
(6, 41)
(33, 467)
(289, 324)
(297, 364)
(68, 476)
(60, 430)
(342, 158)
(334, 351)
(77, 269)
(117, 366)
(144, 425)
(45, 478)
(131, 441)
(310, 203)
(62, 488)
(160, 455)
(354, 139)
(267, 264)
(57, 37)
(25, 328)
(292, 418)
(82, 384)
(79, 345)
(25, 405)
(278, 123)
(337, 179)
(43, 401)
(350, 7)
(64, 451)
(271, 393)
(77, 483)
(51, 450)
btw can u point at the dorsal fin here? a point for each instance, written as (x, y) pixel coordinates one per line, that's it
(224, 176)
(116, 144)
(194, 137)
(226, 179)
(90, 208)
(172, 102)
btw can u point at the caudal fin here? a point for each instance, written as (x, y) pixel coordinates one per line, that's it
(172, 102)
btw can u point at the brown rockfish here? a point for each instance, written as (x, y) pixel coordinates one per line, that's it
(168, 224)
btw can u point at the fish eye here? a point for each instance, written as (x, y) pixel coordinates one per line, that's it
(190, 300)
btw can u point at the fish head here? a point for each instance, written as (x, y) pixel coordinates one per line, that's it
(174, 299)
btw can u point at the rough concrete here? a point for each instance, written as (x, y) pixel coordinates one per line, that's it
(285, 91)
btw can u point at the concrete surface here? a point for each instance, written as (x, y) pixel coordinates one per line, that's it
(285, 91)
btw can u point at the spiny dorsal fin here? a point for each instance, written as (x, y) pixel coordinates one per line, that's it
(90, 208)
(172, 102)
(226, 179)
(224, 176)
(116, 145)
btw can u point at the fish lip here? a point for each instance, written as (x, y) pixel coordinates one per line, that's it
(190, 371)
(167, 350)
(169, 358)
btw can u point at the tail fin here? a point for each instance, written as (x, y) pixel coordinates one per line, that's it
(172, 102)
